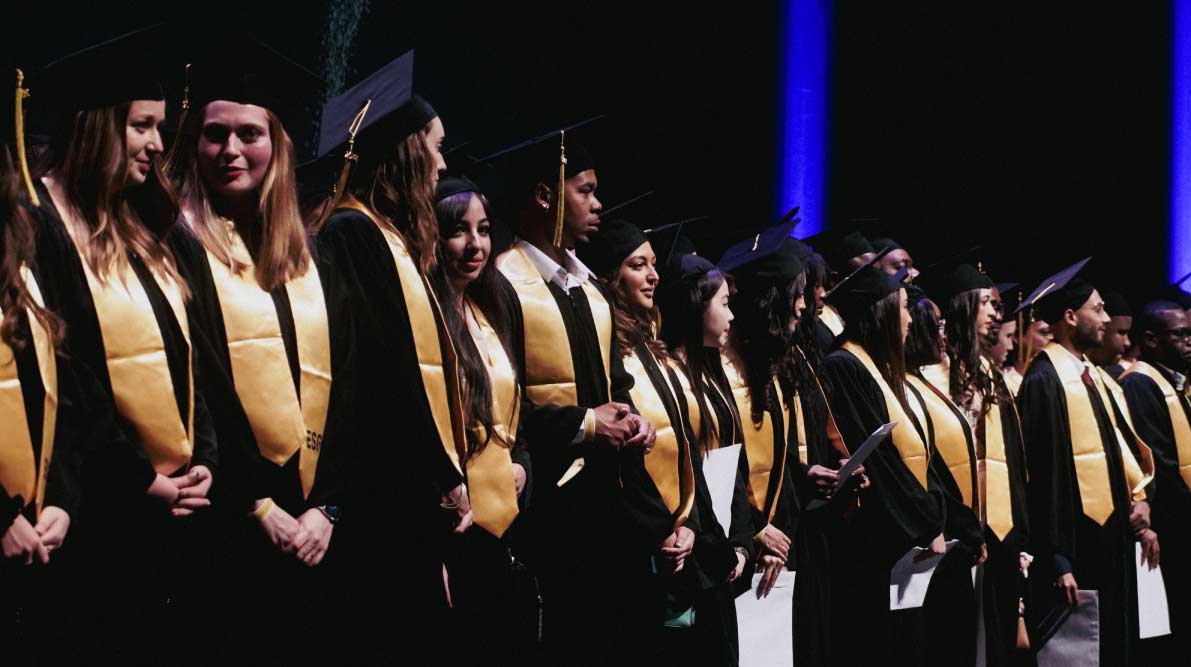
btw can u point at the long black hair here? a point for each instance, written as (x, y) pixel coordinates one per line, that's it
(924, 344)
(475, 384)
(878, 329)
(683, 305)
(965, 347)
(760, 334)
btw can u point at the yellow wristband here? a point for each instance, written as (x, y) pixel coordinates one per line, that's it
(262, 512)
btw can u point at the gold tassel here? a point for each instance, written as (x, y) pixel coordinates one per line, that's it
(560, 194)
(20, 130)
(349, 159)
(1021, 333)
(169, 158)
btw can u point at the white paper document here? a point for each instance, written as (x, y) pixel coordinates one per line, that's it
(766, 626)
(719, 469)
(857, 458)
(910, 577)
(1153, 615)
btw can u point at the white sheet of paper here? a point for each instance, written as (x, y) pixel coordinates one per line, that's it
(910, 577)
(857, 458)
(766, 626)
(719, 469)
(1076, 643)
(1153, 614)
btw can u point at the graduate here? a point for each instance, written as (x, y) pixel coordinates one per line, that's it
(973, 382)
(576, 408)
(903, 508)
(1087, 488)
(624, 259)
(950, 609)
(1156, 390)
(488, 583)
(769, 280)
(271, 360)
(39, 460)
(696, 321)
(1110, 354)
(403, 476)
(106, 212)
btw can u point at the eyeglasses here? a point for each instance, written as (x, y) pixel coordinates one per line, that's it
(1184, 332)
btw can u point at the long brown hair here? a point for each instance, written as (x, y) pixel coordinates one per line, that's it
(633, 327)
(878, 329)
(17, 249)
(397, 183)
(89, 159)
(281, 253)
(965, 346)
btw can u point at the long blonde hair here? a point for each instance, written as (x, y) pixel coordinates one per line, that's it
(88, 156)
(282, 254)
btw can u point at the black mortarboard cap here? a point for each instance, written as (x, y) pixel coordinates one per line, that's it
(527, 163)
(1116, 305)
(250, 73)
(125, 68)
(862, 288)
(766, 256)
(388, 94)
(883, 243)
(914, 294)
(946, 282)
(1058, 293)
(1006, 288)
(606, 214)
(453, 185)
(607, 248)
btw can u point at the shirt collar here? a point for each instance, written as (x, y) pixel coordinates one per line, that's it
(573, 274)
(1072, 361)
(1176, 378)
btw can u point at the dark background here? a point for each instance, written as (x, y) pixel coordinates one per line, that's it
(1040, 133)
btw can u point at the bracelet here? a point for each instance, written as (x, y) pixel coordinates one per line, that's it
(262, 512)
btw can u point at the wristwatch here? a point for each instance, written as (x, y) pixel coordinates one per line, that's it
(331, 512)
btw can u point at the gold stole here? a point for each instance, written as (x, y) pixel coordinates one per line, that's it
(669, 463)
(800, 429)
(282, 422)
(831, 317)
(1138, 474)
(759, 443)
(692, 406)
(439, 372)
(1178, 417)
(905, 437)
(1087, 450)
(136, 361)
(549, 370)
(19, 473)
(837, 441)
(1012, 381)
(490, 482)
(950, 437)
(998, 503)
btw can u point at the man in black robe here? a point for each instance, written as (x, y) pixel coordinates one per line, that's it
(1082, 517)
(1157, 397)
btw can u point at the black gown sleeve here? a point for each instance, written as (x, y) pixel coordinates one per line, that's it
(1054, 510)
(906, 514)
(389, 378)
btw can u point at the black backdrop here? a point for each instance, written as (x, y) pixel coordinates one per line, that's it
(1039, 132)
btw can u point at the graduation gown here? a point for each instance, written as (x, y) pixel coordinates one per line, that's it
(597, 581)
(404, 454)
(818, 444)
(1157, 406)
(714, 555)
(1065, 539)
(159, 574)
(896, 513)
(279, 427)
(40, 455)
(950, 609)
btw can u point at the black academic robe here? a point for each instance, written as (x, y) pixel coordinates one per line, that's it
(895, 514)
(157, 577)
(950, 608)
(1004, 585)
(34, 609)
(1170, 504)
(824, 338)
(1064, 539)
(393, 535)
(265, 588)
(597, 581)
(714, 555)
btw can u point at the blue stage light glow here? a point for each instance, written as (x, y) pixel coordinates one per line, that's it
(1179, 239)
